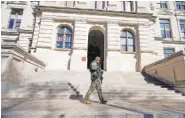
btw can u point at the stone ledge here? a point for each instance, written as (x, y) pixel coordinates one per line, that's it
(14, 49)
(168, 42)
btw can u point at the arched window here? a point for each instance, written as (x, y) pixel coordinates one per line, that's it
(64, 37)
(127, 41)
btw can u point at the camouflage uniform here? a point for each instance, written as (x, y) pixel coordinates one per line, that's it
(95, 81)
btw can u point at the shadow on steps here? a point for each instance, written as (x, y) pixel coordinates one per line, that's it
(150, 79)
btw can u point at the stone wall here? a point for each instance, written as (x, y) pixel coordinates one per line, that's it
(16, 65)
(169, 70)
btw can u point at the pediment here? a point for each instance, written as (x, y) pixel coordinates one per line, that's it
(165, 12)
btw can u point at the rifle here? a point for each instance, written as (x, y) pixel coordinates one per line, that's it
(100, 73)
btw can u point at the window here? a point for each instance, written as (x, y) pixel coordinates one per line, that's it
(165, 28)
(123, 5)
(103, 4)
(180, 5)
(182, 29)
(64, 37)
(15, 18)
(129, 5)
(127, 41)
(168, 52)
(96, 6)
(163, 4)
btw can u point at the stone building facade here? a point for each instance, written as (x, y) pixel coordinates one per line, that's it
(127, 35)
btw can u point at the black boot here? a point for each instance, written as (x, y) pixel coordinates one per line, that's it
(103, 102)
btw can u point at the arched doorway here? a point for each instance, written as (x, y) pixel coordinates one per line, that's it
(95, 47)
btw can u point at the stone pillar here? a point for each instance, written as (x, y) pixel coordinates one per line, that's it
(5, 15)
(79, 45)
(146, 46)
(36, 30)
(113, 46)
(45, 33)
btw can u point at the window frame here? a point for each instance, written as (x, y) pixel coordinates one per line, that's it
(179, 5)
(16, 11)
(180, 28)
(64, 38)
(168, 48)
(127, 44)
(165, 31)
(164, 3)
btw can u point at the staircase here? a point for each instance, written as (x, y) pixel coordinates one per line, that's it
(58, 94)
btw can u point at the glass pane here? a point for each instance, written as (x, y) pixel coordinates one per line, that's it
(59, 44)
(163, 34)
(123, 41)
(17, 25)
(162, 26)
(123, 34)
(11, 23)
(19, 17)
(68, 37)
(18, 21)
(182, 22)
(168, 51)
(67, 44)
(167, 26)
(128, 4)
(61, 30)
(68, 31)
(12, 16)
(182, 34)
(130, 41)
(131, 48)
(182, 27)
(60, 37)
(129, 35)
(163, 4)
(165, 55)
(182, 7)
(123, 47)
(182, 3)
(168, 34)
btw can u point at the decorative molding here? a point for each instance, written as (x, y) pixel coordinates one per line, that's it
(165, 12)
(67, 19)
(46, 47)
(78, 48)
(9, 32)
(158, 38)
(96, 12)
(123, 52)
(112, 49)
(146, 51)
(173, 42)
(62, 49)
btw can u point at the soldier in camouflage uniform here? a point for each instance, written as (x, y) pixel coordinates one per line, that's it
(96, 74)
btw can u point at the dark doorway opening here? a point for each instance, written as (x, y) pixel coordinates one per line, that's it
(95, 47)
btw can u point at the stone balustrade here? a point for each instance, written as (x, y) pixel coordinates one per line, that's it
(170, 70)
(17, 65)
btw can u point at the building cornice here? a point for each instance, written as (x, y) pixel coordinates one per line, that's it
(96, 12)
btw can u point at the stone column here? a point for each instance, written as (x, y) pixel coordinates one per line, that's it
(36, 30)
(79, 45)
(146, 54)
(113, 46)
(45, 31)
